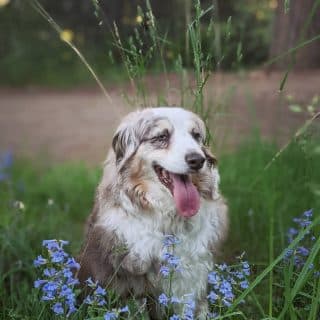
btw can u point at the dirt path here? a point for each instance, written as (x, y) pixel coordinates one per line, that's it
(78, 124)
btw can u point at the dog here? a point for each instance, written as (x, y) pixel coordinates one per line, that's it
(159, 179)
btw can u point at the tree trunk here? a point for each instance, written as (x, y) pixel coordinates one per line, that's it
(292, 28)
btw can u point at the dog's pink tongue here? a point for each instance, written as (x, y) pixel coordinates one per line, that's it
(185, 194)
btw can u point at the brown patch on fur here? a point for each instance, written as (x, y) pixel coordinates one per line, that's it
(211, 159)
(138, 187)
(203, 182)
(106, 258)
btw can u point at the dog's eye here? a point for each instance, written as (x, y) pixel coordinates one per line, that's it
(196, 136)
(162, 137)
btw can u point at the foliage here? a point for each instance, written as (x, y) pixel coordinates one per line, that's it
(40, 202)
(239, 36)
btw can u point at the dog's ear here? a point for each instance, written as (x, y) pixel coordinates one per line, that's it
(122, 140)
(124, 143)
(118, 145)
(128, 138)
(212, 160)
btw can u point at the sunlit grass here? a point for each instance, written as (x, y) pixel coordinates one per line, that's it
(57, 200)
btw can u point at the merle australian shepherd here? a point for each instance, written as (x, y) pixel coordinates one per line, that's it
(159, 179)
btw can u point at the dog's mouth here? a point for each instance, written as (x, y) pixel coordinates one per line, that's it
(184, 192)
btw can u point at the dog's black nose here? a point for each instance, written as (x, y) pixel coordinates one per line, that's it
(194, 160)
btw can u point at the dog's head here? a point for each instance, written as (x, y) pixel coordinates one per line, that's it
(160, 156)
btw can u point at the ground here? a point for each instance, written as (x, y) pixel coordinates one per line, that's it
(78, 124)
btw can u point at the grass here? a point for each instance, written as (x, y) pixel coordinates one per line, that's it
(58, 199)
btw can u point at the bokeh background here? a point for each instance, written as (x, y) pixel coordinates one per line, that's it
(51, 105)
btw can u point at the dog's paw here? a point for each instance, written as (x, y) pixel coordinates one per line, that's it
(135, 265)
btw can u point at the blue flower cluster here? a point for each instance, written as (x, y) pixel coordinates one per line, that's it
(58, 281)
(225, 281)
(113, 315)
(97, 298)
(171, 263)
(187, 301)
(300, 254)
(6, 161)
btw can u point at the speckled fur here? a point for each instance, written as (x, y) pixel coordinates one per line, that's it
(133, 211)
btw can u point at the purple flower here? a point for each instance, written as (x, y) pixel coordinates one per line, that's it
(124, 309)
(299, 254)
(303, 251)
(173, 261)
(164, 271)
(38, 283)
(246, 268)
(212, 315)
(244, 284)
(239, 275)
(67, 273)
(100, 291)
(170, 240)
(57, 308)
(90, 283)
(163, 299)
(175, 300)
(288, 254)
(226, 302)
(222, 267)
(54, 244)
(213, 297)
(88, 300)
(72, 264)
(6, 160)
(50, 286)
(213, 278)
(58, 256)
(57, 287)
(224, 281)
(110, 316)
(188, 313)
(39, 261)
(48, 297)
(175, 317)
(308, 213)
(49, 272)
(66, 292)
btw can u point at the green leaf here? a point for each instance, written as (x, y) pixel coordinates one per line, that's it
(286, 6)
(295, 108)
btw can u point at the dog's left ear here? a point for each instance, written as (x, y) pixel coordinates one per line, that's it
(119, 143)
(212, 160)
(124, 144)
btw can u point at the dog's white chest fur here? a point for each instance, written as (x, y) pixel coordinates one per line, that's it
(144, 238)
